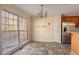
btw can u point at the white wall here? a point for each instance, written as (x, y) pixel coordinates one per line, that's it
(54, 33)
(41, 30)
(57, 28)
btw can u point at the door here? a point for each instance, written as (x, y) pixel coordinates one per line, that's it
(42, 30)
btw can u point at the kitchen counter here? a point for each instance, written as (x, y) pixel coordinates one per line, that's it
(75, 42)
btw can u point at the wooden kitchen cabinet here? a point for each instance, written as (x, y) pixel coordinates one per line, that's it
(69, 19)
(74, 19)
(75, 43)
(66, 18)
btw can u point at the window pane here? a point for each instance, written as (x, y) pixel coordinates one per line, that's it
(7, 21)
(15, 17)
(15, 22)
(6, 14)
(15, 28)
(3, 13)
(10, 16)
(3, 27)
(10, 27)
(3, 20)
(10, 21)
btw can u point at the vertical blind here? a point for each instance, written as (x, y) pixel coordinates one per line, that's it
(14, 30)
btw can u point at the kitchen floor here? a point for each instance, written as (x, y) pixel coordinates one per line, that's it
(44, 48)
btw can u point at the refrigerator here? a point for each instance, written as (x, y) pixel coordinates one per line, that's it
(67, 28)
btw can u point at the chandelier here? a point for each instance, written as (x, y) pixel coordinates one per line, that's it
(42, 13)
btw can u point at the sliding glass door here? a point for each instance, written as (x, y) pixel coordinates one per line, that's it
(13, 31)
(9, 31)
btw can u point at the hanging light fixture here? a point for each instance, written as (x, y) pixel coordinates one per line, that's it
(42, 13)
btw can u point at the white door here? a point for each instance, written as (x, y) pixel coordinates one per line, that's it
(42, 30)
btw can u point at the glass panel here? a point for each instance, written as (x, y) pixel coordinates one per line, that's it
(15, 22)
(10, 21)
(23, 31)
(15, 17)
(11, 16)
(3, 20)
(6, 14)
(3, 27)
(15, 28)
(9, 35)
(23, 36)
(7, 27)
(3, 13)
(7, 21)
(5, 39)
(10, 27)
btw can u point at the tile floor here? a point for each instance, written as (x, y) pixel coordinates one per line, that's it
(44, 48)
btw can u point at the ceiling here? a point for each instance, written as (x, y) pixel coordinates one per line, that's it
(51, 8)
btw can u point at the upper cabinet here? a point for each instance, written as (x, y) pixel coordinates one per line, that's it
(66, 19)
(74, 19)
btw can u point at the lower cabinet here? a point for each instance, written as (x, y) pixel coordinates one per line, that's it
(75, 43)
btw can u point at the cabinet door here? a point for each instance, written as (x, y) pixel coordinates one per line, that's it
(75, 43)
(63, 18)
(75, 20)
(78, 21)
(66, 19)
